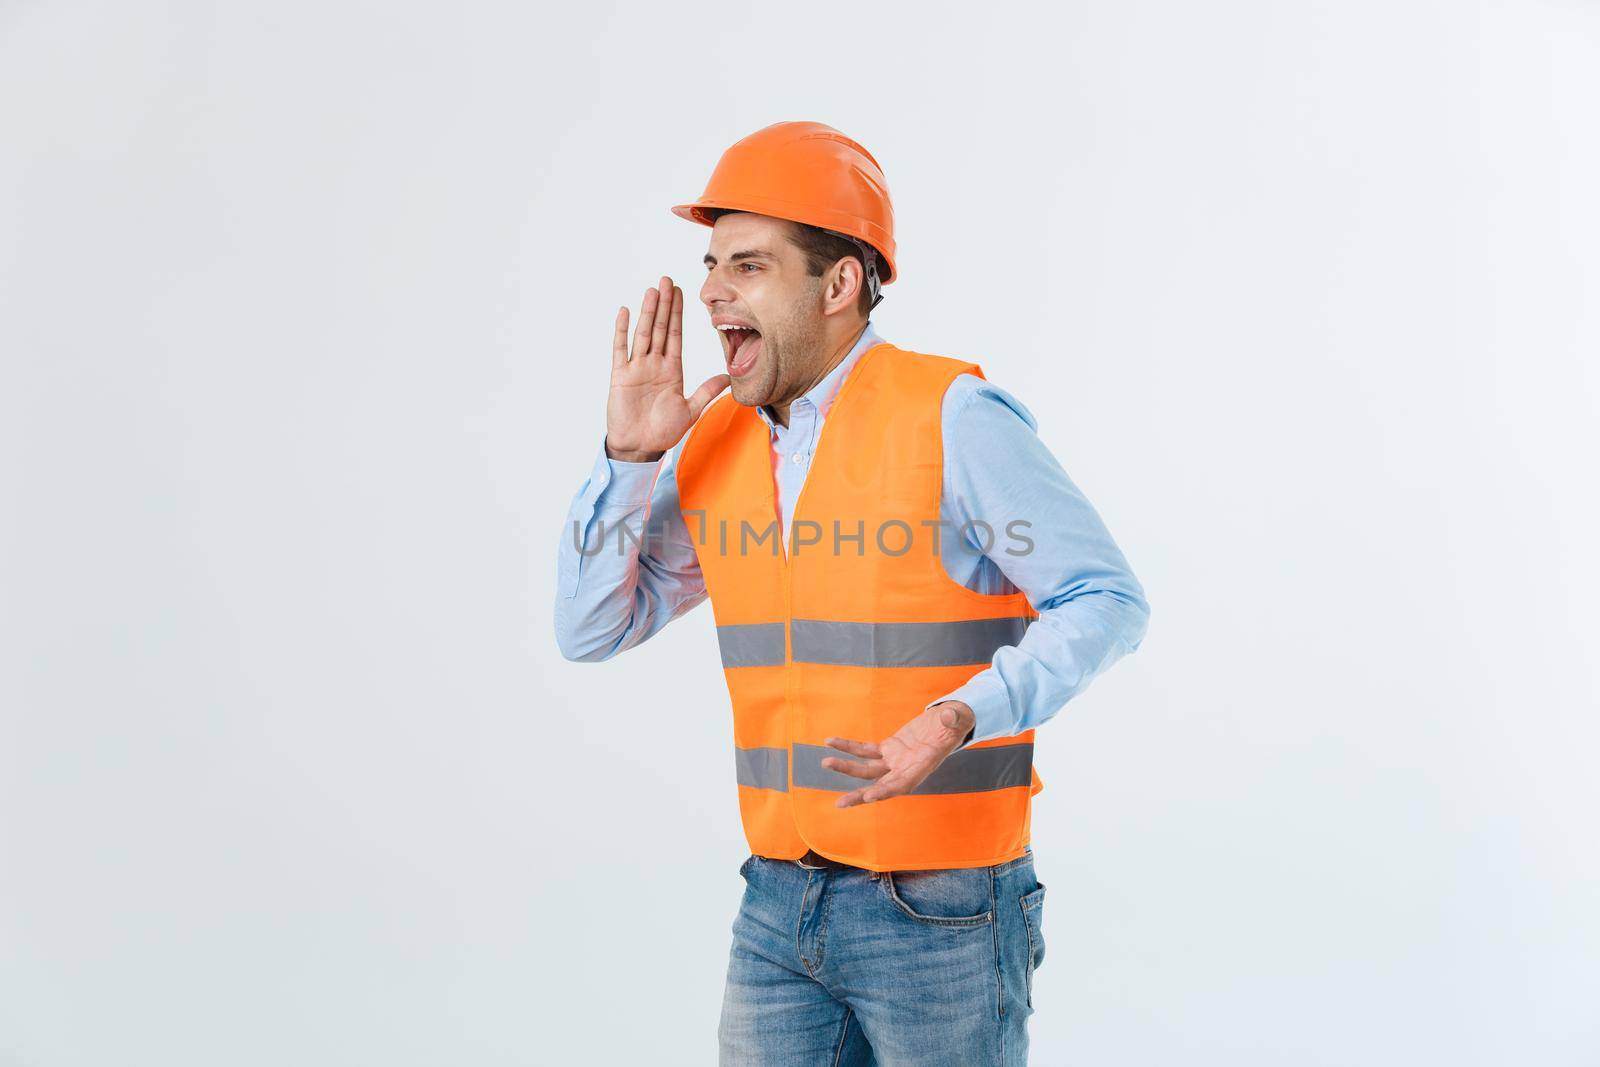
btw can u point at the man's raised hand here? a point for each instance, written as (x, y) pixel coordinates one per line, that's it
(646, 411)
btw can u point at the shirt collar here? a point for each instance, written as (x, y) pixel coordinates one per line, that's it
(821, 395)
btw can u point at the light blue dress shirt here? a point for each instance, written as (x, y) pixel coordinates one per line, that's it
(1092, 610)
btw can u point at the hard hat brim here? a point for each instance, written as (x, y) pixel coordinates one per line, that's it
(810, 216)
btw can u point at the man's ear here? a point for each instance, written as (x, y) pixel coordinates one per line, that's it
(844, 285)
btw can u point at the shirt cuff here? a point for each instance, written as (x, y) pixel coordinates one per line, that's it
(985, 693)
(623, 483)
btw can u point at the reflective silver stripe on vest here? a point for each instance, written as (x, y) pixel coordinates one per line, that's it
(871, 644)
(973, 770)
(751, 644)
(762, 768)
(904, 644)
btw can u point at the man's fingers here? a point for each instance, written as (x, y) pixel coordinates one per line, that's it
(856, 768)
(647, 318)
(855, 748)
(708, 391)
(675, 326)
(658, 333)
(888, 786)
(880, 791)
(619, 339)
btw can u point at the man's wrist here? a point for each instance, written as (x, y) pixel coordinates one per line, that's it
(631, 457)
(986, 695)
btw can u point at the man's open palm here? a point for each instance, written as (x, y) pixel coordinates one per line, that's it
(646, 411)
(900, 763)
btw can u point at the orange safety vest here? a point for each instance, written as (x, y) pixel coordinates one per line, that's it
(856, 628)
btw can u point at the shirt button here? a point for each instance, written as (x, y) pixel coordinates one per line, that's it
(795, 457)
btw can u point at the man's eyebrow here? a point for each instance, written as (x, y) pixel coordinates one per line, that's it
(749, 253)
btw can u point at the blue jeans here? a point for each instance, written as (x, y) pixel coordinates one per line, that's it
(832, 968)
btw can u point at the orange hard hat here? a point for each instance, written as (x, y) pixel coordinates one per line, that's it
(805, 172)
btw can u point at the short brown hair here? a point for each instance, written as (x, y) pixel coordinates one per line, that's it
(822, 250)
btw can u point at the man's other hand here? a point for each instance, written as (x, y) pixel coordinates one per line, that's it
(898, 764)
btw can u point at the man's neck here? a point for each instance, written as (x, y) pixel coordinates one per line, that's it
(780, 411)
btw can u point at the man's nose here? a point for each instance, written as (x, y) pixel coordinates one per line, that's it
(715, 291)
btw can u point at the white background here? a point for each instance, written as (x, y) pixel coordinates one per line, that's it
(304, 319)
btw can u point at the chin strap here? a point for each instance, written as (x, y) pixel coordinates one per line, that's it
(869, 256)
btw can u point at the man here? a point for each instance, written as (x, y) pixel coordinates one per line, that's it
(890, 637)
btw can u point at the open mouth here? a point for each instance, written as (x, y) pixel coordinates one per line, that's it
(742, 345)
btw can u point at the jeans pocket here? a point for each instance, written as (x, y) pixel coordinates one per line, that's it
(958, 897)
(1032, 904)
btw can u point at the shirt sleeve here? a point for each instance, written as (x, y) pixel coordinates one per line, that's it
(1051, 544)
(626, 564)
